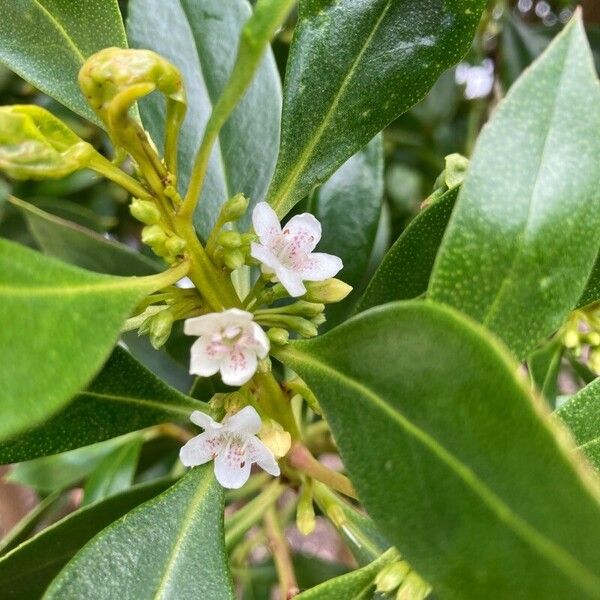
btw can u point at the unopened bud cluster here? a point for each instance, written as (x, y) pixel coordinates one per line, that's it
(581, 336)
(398, 577)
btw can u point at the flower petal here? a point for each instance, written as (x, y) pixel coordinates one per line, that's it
(291, 281)
(265, 223)
(203, 420)
(266, 257)
(245, 422)
(320, 266)
(238, 366)
(261, 341)
(262, 456)
(201, 449)
(232, 467)
(203, 325)
(203, 360)
(303, 232)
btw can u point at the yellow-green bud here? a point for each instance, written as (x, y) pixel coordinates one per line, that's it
(278, 336)
(248, 238)
(175, 245)
(456, 170)
(153, 235)
(275, 438)
(305, 514)
(571, 338)
(327, 292)
(145, 211)
(391, 576)
(160, 328)
(594, 360)
(412, 588)
(229, 239)
(302, 326)
(234, 259)
(305, 309)
(234, 208)
(319, 319)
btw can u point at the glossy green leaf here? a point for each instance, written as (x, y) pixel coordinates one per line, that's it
(348, 207)
(591, 293)
(336, 99)
(26, 571)
(58, 325)
(525, 232)
(124, 397)
(170, 547)
(82, 247)
(200, 39)
(47, 41)
(115, 473)
(425, 401)
(58, 472)
(581, 414)
(405, 270)
(544, 366)
(356, 585)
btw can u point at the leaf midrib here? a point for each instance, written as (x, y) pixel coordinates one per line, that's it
(555, 554)
(180, 409)
(309, 150)
(69, 290)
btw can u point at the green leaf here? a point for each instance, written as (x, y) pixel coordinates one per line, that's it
(405, 270)
(581, 414)
(525, 231)
(335, 100)
(26, 571)
(447, 447)
(51, 473)
(82, 247)
(200, 39)
(544, 366)
(348, 207)
(591, 293)
(170, 547)
(47, 41)
(356, 585)
(115, 473)
(124, 397)
(58, 325)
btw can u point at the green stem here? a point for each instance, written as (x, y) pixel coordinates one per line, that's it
(169, 277)
(281, 555)
(107, 169)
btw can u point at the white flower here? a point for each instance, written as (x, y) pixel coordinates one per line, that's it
(232, 444)
(288, 254)
(230, 342)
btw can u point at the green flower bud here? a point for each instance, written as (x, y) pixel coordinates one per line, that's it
(594, 360)
(302, 326)
(145, 211)
(234, 259)
(305, 514)
(304, 309)
(391, 576)
(34, 144)
(248, 238)
(278, 336)
(456, 170)
(153, 235)
(412, 588)
(234, 208)
(160, 328)
(327, 292)
(175, 245)
(229, 239)
(319, 319)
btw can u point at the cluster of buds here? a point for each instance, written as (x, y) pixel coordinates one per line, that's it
(398, 577)
(581, 335)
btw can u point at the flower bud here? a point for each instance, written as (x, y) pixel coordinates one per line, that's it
(278, 336)
(175, 245)
(160, 328)
(412, 588)
(153, 235)
(229, 239)
(594, 360)
(304, 309)
(234, 259)
(275, 438)
(327, 292)
(391, 576)
(305, 514)
(145, 211)
(234, 208)
(456, 170)
(34, 144)
(319, 319)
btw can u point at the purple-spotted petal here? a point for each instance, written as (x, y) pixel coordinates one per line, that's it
(232, 467)
(258, 453)
(303, 232)
(320, 266)
(265, 223)
(203, 325)
(266, 257)
(238, 366)
(291, 281)
(261, 341)
(205, 359)
(201, 449)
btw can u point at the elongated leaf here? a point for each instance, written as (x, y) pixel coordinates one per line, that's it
(447, 447)
(58, 325)
(336, 100)
(200, 38)
(356, 585)
(405, 270)
(170, 547)
(47, 41)
(581, 414)
(348, 207)
(591, 293)
(526, 228)
(124, 397)
(82, 247)
(26, 571)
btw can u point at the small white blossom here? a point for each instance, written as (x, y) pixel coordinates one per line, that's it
(229, 342)
(288, 254)
(232, 444)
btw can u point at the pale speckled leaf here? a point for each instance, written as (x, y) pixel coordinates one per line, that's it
(47, 41)
(525, 231)
(171, 547)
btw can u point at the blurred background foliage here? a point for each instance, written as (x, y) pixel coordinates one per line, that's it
(448, 120)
